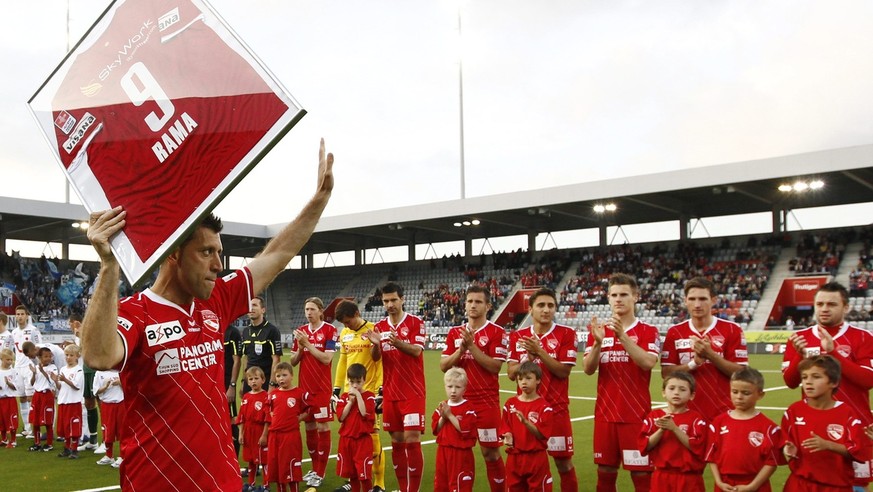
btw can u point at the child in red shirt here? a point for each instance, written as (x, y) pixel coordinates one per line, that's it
(251, 419)
(454, 425)
(356, 411)
(288, 406)
(675, 440)
(525, 428)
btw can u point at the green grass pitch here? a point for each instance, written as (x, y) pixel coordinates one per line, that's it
(38, 471)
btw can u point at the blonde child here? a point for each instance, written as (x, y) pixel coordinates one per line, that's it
(525, 428)
(454, 423)
(356, 411)
(252, 416)
(288, 406)
(42, 405)
(70, 383)
(107, 388)
(8, 402)
(675, 438)
(822, 436)
(744, 451)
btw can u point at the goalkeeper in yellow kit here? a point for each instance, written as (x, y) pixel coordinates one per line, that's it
(355, 349)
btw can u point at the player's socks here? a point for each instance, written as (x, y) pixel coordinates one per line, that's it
(606, 480)
(398, 457)
(642, 481)
(496, 472)
(323, 452)
(378, 462)
(49, 434)
(415, 463)
(312, 445)
(92, 424)
(569, 481)
(74, 444)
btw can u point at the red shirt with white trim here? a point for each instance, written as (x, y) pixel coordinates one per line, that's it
(355, 424)
(538, 412)
(315, 377)
(448, 435)
(560, 343)
(254, 409)
(669, 453)
(286, 406)
(744, 446)
(482, 386)
(403, 375)
(713, 394)
(176, 433)
(622, 386)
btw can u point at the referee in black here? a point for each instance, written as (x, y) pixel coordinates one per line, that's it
(261, 343)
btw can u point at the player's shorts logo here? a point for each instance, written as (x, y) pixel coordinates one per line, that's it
(835, 431)
(168, 361)
(756, 439)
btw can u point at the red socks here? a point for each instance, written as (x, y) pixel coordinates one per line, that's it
(606, 480)
(496, 472)
(642, 481)
(322, 453)
(401, 468)
(415, 463)
(569, 483)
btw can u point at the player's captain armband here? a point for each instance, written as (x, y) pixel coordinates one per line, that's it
(330, 344)
(683, 343)
(488, 435)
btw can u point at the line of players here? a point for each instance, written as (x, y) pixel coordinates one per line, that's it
(53, 388)
(622, 349)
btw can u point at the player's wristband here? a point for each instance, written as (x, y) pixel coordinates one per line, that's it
(692, 365)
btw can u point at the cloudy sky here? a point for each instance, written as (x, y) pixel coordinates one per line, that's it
(555, 92)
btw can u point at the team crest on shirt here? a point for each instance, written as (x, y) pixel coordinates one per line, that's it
(717, 340)
(259, 405)
(634, 338)
(319, 337)
(404, 332)
(843, 350)
(756, 439)
(552, 343)
(836, 431)
(210, 320)
(292, 402)
(483, 341)
(534, 417)
(684, 428)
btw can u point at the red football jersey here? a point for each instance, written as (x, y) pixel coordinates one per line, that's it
(403, 375)
(158, 100)
(315, 377)
(355, 424)
(713, 395)
(622, 386)
(286, 406)
(743, 447)
(451, 437)
(851, 346)
(560, 343)
(538, 412)
(482, 386)
(177, 429)
(839, 424)
(254, 409)
(670, 454)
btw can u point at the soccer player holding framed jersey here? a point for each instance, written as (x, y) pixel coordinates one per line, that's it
(552, 347)
(852, 347)
(623, 350)
(167, 343)
(480, 347)
(314, 345)
(398, 341)
(711, 349)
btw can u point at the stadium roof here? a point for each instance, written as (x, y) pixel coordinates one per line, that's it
(726, 189)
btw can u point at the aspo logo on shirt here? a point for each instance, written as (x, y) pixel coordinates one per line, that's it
(163, 333)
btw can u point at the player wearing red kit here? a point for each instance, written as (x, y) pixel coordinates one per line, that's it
(623, 351)
(287, 406)
(709, 348)
(823, 437)
(852, 347)
(314, 345)
(525, 426)
(168, 343)
(480, 347)
(253, 413)
(454, 424)
(398, 341)
(675, 438)
(553, 348)
(356, 411)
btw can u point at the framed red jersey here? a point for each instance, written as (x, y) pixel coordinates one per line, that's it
(161, 109)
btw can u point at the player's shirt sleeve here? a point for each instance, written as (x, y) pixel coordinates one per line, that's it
(699, 436)
(567, 349)
(35, 336)
(341, 406)
(651, 341)
(775, 442)
(859, 445)
(736, 350)
(544, 422)
(669, 354)
(79, 378)
(339, 380)
(451, 348)
(790, 361)
(514, 353)
(370, 407)
(130, 328)
(647, 428)
(857, 366)
(276, 341)
(434, 422)
(332, 338)
(416, 333)
(469, 422)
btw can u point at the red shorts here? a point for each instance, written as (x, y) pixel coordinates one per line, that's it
(355, 457)
(252, 451)
(797, 484)
(285, 450)
(455, 469)
(744, 480)
(403, 415)
(9, 413)
(320, 409)
(671, 481)
(111, 419)
(561, 442)
(42, 408)
(487, 423)
(69, 420)
(528, 471)
(615, 444)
